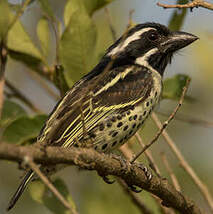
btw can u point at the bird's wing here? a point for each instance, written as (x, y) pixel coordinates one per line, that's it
(80, 110)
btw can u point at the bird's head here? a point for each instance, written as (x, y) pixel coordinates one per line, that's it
(149, 44)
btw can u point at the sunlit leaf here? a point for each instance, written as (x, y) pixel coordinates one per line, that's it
(90, 5)
(77, 46)
(178, 16)
(71, 7)
(4, 17)
(23, 129)
(173, 87)
(93, 5)
(20, 41)
(22, 48)
(43, 33)
(10, 112)
(40, 193)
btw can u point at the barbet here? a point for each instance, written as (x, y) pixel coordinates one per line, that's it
(109, 104)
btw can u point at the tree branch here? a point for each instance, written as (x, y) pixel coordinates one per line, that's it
(91, 160)
(191, 5)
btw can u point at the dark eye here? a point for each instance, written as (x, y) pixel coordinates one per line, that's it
(153, 36)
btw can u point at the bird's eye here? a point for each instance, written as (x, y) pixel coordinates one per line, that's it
(153, 36)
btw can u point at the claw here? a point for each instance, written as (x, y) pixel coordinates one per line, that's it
(146, 171)
(134, 189)
(107, 180)
(123, 162)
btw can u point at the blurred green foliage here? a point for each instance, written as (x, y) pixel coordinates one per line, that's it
(41, 194)
(178, 16)
(173, 87)
(5, 19)
(10, 112)
(23, 129)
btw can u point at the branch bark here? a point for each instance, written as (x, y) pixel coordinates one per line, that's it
(105, 165)
(191, 5)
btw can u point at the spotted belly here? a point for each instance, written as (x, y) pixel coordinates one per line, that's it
(115, 130)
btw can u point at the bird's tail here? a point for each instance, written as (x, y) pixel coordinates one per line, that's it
(27, 178)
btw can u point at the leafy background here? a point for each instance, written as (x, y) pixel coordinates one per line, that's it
(84, 35)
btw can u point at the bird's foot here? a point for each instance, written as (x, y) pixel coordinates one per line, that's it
(146, 171)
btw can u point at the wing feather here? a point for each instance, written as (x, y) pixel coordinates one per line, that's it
(122, 88)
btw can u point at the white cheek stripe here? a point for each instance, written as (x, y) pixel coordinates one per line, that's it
(143, 60)
(125, 43)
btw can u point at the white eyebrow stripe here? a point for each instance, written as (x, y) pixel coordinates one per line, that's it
(129, 39)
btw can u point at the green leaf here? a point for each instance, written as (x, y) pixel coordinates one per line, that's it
(77, 46)
(71, 7)
(90, 5)
(22, 48)
(93, 5)
(10, 112)
(20, 41)
(41, 194)
(23, 129)
(173, 87)
(43, 33)
(45, 5)
(178, 16)
(4, 18)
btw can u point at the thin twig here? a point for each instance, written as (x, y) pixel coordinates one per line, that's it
(18, 94)
(46, 181)
(170, 171)
(57, 40)
(3, 61)
(148, 154)
(166, 123)
(202, 187)
(135, 198)
(191, 5)
(18, 14)
(191, 120)
(130, 22)
(109, 19)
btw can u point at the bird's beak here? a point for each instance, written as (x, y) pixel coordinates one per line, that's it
(176, 41)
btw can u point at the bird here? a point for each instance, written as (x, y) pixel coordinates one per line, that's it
(109, 104)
